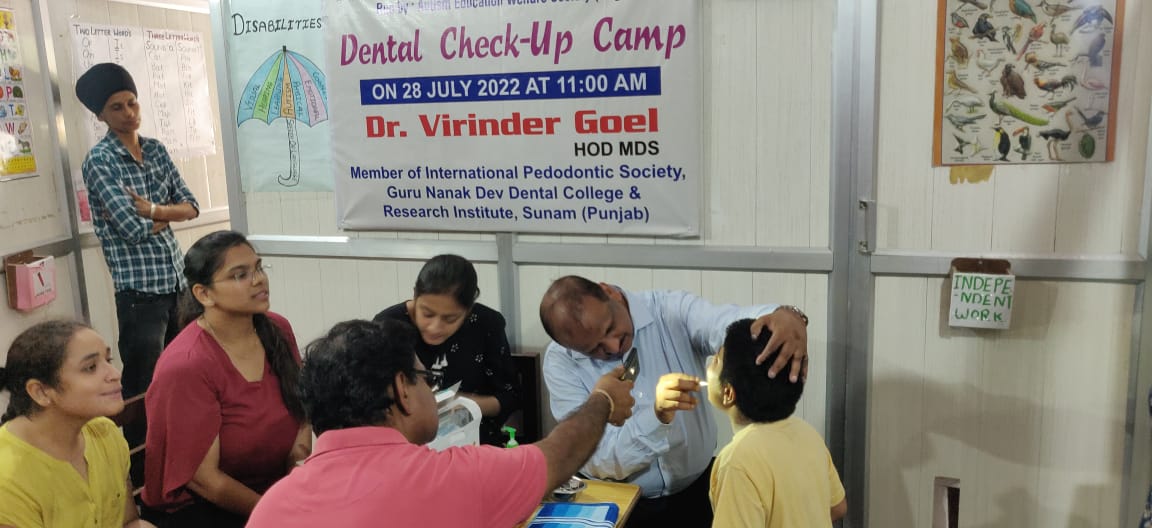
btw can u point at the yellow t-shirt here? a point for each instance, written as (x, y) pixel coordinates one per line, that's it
(775, 475)
(37, 490)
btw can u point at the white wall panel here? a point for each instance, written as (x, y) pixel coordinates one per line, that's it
(963, 216)
(896, 417)
(731, 142)
(14, 322)
(101, 295)
(1030, 420)
(904, 179)
(1026, 230)
(1090, 209)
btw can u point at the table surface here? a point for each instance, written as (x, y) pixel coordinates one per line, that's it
(624, 495)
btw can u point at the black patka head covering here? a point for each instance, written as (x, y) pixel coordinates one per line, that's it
(100, 82)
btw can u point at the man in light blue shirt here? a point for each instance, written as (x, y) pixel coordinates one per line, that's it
(666, 452)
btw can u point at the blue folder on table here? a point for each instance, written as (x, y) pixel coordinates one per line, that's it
(574, 515)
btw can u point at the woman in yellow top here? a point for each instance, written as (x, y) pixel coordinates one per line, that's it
(62, 463)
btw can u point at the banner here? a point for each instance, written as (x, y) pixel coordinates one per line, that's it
(277, 68)
(516, 115)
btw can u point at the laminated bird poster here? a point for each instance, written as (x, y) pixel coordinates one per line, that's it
(1026, 81)
(281, 95)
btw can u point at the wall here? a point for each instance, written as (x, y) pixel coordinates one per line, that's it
(30, 209)
(1033, 420)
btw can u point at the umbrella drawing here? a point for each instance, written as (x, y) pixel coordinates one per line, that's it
(288, 85)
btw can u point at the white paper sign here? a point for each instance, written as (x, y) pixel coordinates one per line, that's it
(171, 78)
(981, 300)
(43, 280)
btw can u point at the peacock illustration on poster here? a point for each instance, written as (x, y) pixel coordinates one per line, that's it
(287, 85)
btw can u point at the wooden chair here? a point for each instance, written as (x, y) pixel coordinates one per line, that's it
(527, 420)
(134, 422)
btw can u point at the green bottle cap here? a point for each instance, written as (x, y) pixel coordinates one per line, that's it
(511, 436)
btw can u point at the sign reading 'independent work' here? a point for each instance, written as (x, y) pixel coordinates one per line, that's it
(516, 115)
(981, 300)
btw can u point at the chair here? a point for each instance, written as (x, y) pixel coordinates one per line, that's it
(528, 420)
(134, 422)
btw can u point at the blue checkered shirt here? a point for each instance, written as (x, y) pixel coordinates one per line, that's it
(138, 259)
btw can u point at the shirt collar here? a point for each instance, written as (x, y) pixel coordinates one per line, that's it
(351, 437)
(639, 310)
(119, 146)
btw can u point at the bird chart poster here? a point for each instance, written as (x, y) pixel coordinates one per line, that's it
(517, 116)
(276, 66)
(1026, 81)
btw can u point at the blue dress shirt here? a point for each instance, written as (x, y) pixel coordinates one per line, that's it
(675, 331)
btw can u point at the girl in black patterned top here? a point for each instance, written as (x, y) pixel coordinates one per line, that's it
(462, 339)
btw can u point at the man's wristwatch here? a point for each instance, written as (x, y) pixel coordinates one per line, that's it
(796, 311)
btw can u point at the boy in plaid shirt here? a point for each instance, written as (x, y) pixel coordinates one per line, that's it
(135, 192)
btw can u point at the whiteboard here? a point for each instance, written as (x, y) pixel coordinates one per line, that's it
(171, 82)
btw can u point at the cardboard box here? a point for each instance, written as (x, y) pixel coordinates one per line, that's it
(31, 280)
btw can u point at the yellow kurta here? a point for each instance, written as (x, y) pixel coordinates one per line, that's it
(37, 490)
(777, 475)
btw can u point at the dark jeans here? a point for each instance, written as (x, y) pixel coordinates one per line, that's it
(147, 323)
(690, 508)
(199, 514)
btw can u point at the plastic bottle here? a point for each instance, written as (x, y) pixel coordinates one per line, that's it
(511, 436)
(453, 420)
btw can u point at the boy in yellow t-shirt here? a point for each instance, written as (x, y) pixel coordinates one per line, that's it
(776, 472)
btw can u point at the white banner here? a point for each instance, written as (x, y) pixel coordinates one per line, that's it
(516, 115)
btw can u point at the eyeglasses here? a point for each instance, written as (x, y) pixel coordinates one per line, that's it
(243, 276)
(432, 378)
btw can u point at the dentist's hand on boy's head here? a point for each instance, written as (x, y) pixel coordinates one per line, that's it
(674, 392)
(790, 335)
(620, 392)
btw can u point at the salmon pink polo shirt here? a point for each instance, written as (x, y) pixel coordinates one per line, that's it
(372, 476)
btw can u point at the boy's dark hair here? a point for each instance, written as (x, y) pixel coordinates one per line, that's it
(347, 373)
(758, 397)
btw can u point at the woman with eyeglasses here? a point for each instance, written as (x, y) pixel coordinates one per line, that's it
(224, 418)
(462, 340)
